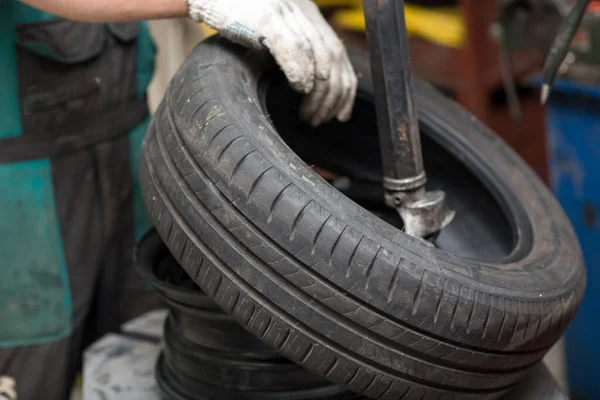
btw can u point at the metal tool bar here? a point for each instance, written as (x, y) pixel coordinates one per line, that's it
(392, 83)
(423, 213)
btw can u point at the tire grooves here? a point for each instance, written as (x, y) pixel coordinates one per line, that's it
(314, 275)
(417, 357)
(249, 290)
(462, 345)
(298, 264)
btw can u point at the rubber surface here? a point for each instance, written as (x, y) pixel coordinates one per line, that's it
(207, 355)
(327, 283)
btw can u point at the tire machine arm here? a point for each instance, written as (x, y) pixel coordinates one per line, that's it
(424, 213)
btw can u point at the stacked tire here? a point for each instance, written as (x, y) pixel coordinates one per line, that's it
(340, 290)
(207, 355)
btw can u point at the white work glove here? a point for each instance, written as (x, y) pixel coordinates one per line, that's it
(8, 389)
(306, 48)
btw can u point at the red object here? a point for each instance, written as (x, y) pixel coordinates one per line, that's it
(594, 7)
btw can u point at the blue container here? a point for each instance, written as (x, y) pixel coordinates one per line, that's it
(573, 125)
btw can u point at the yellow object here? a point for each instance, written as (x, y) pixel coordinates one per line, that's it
(207, 30)
(440, 25)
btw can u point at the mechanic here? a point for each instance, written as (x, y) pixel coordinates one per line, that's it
(73, 114)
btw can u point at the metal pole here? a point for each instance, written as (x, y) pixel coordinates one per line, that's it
(392, 83)
(424, 213)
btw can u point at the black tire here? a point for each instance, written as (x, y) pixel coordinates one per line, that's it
(330, 285)
(207, 355)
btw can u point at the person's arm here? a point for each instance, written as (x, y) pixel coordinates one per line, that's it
(112, 10)
(306, 48)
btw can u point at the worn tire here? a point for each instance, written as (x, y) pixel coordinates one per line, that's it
(208, 356)
(328, 284)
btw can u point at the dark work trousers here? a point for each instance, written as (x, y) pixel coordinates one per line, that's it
(83, 120)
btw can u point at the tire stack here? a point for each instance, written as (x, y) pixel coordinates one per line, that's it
(338, 289)
(209, 356)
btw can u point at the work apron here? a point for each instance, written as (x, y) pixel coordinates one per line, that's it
(72, 118)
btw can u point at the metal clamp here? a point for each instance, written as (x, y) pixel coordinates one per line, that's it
(423, 213)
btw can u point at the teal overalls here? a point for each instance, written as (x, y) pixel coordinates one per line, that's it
(73, 115)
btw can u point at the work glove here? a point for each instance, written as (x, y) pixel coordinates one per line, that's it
(7, 388)
(303, 44)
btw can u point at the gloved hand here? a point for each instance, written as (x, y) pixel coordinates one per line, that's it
(8, 388)
(306, 48)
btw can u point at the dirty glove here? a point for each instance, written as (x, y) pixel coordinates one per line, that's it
(306, 48)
